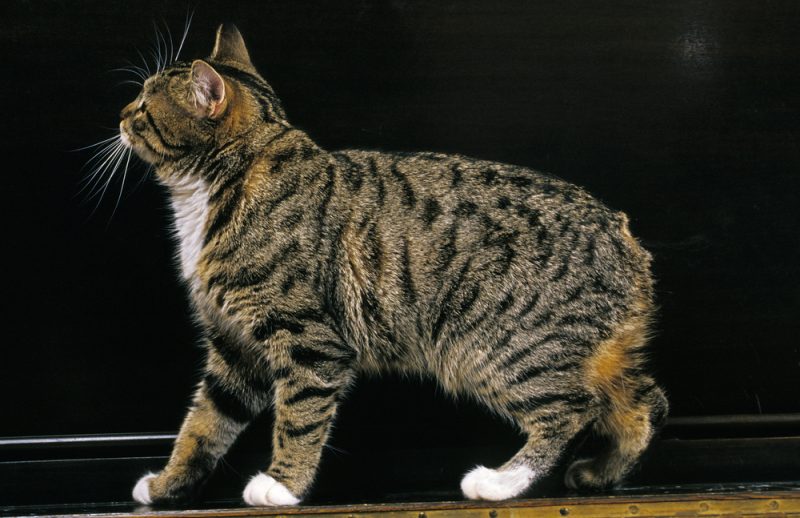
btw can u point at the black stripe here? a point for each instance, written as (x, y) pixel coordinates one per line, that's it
(503, 202)
(506, 303)
(489, 176)
(465, 208)
(160, 136)
(519, 181)
(295, 432)
(311, 392)
(289, 191)
(409, 199)
(406, 279)
(352, 173)
(536, 402)
(221, 149)
(281, 157)
(469, 300)
(528, 307)
(444, 305)
(561, 272)
(541, 320)
(457, 176)
(380, 187)
(224, 213)
(227, 401)
(281, 373)
(431, 211)
(534, 371)
(288, 283)
(591, 247)
(312, 358)
(574, 294)
(230, 353)
(327, 194)
(374, 246)
(447, 252)
(272, 325)
(230, 179)
(248, 277)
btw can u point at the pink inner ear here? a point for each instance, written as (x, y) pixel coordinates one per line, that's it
(208, 85)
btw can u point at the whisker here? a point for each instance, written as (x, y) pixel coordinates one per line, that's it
(171, 54)
(101, 155)
(109, 139)
(102, 169)
(122, 184)
(130, 82)
(113, 170)
(188, 23)
(137, 71)
(146, 65)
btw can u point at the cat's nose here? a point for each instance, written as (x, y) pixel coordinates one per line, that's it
(128, 110)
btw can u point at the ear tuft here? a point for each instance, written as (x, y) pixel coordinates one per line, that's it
(208, 88)
(230, 46)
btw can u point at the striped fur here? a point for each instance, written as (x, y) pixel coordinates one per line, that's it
(307, 267)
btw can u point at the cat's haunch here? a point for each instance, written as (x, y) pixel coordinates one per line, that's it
(306, 267)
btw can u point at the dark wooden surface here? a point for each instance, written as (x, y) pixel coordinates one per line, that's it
(684, 114)
(740, 501)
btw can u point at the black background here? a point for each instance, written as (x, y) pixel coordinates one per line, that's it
(684, 114)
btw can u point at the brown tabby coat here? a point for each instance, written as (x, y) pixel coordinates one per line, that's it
(307, 267)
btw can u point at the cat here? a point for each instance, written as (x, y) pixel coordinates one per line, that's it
(307, 267)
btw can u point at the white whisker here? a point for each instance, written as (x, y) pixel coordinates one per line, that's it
(137, 71)
(104, 141)
(113, 169)
(122, 183)
(189, 17)
(171, 52)
(130, 82)
(100, 171)
(146, 64)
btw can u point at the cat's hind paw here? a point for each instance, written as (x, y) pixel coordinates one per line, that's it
(263, 490)
(488, 484)
(141, 491)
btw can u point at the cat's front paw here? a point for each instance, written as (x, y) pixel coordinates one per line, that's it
(489, 484)
(141, 491)
(263, 490)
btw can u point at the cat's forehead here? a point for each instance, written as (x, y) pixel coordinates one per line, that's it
(164, 77)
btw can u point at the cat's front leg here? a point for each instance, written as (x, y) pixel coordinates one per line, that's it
(306, 397)
(223, 405)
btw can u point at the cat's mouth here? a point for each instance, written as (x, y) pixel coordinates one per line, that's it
(130, 140)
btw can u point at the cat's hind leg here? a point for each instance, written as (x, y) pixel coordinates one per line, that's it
(627, 426)
(551, 422)
(633, 407)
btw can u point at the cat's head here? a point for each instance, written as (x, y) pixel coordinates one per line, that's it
(188, 107)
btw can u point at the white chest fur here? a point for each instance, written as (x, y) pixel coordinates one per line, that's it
(190, 208)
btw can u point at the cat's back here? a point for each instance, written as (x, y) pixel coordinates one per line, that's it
(433, 196)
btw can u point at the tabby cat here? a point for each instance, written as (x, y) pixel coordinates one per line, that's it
(307, 267)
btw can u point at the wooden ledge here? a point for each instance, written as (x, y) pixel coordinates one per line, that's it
(741, 504)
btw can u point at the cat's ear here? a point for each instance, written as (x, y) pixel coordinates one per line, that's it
(209, 90)
(229, 46)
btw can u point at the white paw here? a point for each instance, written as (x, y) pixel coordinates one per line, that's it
(264, 490)
(489, 484)
(141, 491)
